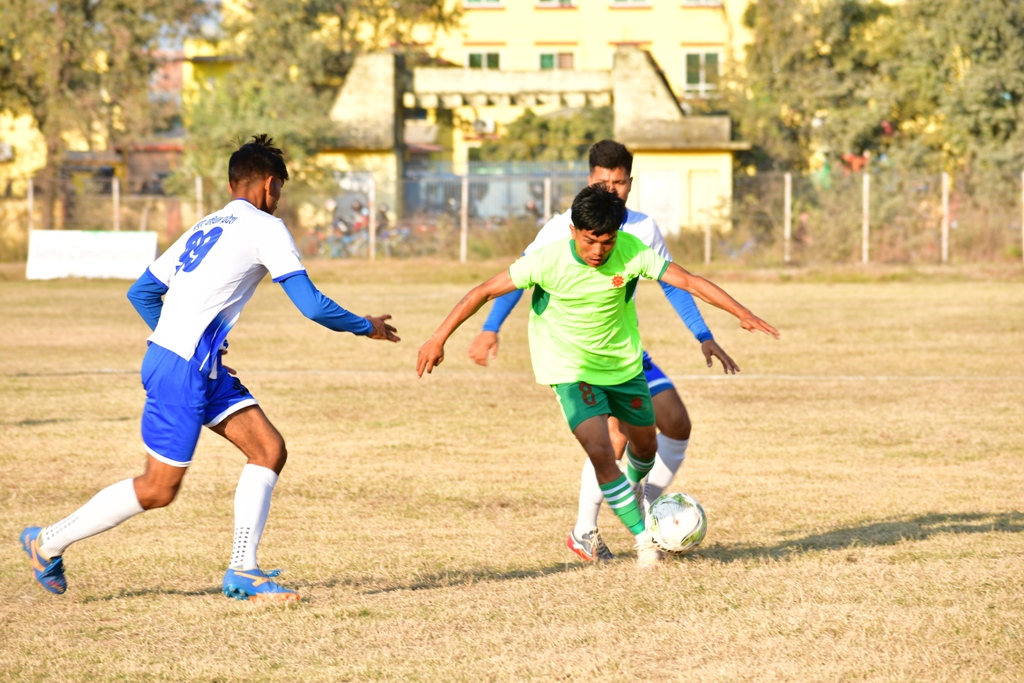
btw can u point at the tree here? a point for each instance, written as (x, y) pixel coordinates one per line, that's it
(952, 88)
(806, 82)
(81, 69)
(550, 138)
(288, 58)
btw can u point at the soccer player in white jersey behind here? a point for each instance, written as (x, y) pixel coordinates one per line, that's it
(610, 167)
(191, 297)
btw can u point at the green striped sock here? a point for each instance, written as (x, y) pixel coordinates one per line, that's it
(619, 495)
(637, 469)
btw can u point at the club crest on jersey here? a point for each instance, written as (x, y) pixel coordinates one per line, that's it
(618, 280)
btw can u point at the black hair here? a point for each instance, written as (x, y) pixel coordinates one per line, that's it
(610, 154)
(597, 210)
(255, 160)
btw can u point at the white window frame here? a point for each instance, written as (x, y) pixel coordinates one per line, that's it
(555, 4)
(702, 89)
(630, 3)
(554, 52)
(484, 52)
(476, 4)
(702, 3)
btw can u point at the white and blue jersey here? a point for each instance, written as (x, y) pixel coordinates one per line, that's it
(211, 272)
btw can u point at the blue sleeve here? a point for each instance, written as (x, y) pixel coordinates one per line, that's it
(321, 309)
(503, 305)
(685, 306)
(146, 296)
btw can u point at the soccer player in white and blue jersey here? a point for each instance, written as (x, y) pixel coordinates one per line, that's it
(191, 297)
(610, 167)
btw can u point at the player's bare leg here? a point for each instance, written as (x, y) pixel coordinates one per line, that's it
(156, 487)
(264, 448)
(674, 427)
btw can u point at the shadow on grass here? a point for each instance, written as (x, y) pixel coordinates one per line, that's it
(883, 533)
(450, 578)
(889, 532)
(62, 420)
(150, 592)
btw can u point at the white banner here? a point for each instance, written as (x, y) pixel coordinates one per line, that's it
(89, 253)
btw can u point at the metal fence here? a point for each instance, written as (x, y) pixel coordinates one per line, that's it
(494, 211)
(879, 216)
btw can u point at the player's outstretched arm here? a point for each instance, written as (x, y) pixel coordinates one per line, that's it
(323, 310)
(431, 354)
(708, 291)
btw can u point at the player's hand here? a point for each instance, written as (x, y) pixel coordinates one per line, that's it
(484, 348)
(712, 350)
(381, 329)
(430, 356)
(752, 323)
(224, 352)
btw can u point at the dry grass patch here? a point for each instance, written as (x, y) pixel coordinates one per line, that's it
(862, 479)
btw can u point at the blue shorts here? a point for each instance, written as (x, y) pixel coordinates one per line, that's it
(180, 400)
(657, 382)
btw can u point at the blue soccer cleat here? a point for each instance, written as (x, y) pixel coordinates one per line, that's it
(255, 585)
(49, 573)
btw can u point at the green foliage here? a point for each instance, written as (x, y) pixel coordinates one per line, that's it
(807, 77)
(84, 67)
(928, 85)
(288, 58)
(550, 138)
(953, 85)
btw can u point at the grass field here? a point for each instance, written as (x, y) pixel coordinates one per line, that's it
(863, 479)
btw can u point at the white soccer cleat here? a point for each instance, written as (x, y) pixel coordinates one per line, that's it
(648, 555)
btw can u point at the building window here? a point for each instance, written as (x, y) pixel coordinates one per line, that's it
(701, 73)
(483, 60)
(546, 4)
(631, 3)
(702, 3)
(483, 3)
(556, 60)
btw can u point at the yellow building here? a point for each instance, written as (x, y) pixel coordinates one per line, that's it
(675, 50)
(691, 40)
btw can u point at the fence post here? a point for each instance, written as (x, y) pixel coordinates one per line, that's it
(464, 219)
(866, 211)
(547, 199)
(371, 200)
(115, 190)
(945, 217)
(707, 242)
(788, 216)
(31, 204)
(199, 198)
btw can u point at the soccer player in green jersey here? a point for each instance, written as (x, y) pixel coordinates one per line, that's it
(585, 342)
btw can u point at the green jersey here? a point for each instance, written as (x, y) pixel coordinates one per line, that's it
(583, 327)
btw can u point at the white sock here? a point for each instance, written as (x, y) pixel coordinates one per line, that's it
(104, 511)
(671, 453)
(591, 498)
(252, 505)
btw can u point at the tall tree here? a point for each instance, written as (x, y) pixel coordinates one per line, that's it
(952, 87)
(806, 83)
(81, 69)
(287, 60)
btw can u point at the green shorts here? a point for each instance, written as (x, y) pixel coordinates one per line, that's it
(629, 401)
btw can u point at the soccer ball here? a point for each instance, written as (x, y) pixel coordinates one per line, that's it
(677, 522)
